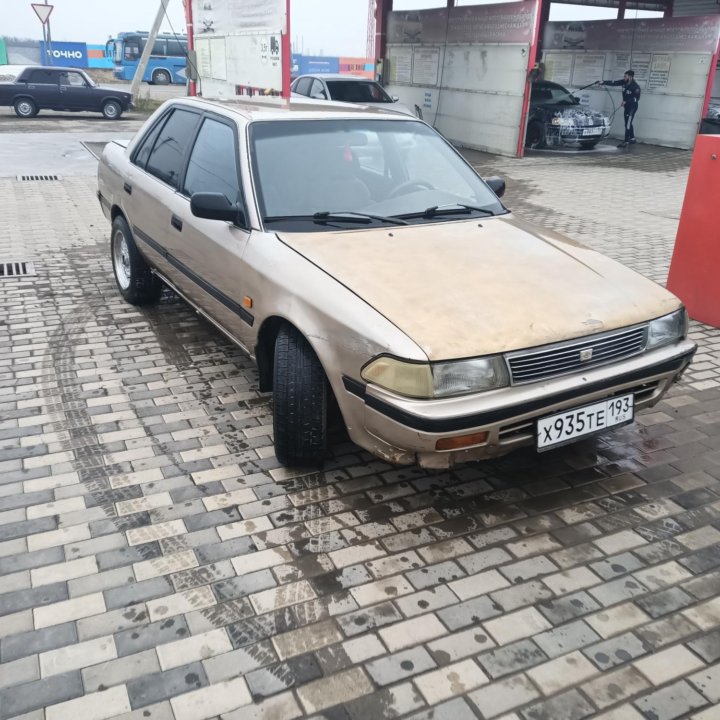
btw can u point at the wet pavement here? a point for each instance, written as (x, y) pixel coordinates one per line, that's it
(157, 562)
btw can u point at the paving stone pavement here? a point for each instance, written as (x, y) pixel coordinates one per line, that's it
(158, 562)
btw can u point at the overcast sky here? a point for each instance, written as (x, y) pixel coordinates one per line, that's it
(333, 27)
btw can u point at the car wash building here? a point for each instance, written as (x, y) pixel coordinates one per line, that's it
(470, 69)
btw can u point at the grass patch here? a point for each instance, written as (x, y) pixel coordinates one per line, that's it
(146, 105)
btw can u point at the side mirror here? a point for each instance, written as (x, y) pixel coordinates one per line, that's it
(214, 206)
(496, 184)
(395, 98)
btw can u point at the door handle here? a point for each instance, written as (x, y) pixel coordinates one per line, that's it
(127, 187)
(176, 222)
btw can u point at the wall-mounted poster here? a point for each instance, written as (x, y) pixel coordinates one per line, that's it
(426, 66)
(640, 63)
(228, 17)
(558, 67)
(401, 65)
(588, 69)
(659, 72)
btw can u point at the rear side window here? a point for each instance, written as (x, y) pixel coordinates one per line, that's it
(213, 164)
(317, 90)
(43, 77)
(303, 86)
(168, 153)
(146, 144)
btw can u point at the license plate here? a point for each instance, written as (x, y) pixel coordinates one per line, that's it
(592, 131)
(569, 425)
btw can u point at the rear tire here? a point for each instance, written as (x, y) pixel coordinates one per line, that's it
(133, 275)
(535, 135)
(111, 110)
(300, 394)
(25, 108)
(161, 77)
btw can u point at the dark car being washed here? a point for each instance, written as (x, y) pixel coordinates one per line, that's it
(57, 88)
(557, 118)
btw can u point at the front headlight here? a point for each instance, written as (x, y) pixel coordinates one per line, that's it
(437, 380)
(667, 329)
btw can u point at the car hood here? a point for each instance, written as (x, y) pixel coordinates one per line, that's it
(113, 90)
(575, 114)
(463, 289)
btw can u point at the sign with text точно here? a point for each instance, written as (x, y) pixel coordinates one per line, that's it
(42, 11)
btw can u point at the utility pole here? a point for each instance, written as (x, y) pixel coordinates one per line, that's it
(48, 44)
(145, 57)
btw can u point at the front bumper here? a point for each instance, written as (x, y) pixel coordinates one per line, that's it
(574, 135)
(405, 431)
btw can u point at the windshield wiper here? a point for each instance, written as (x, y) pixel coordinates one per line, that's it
(356, 217)
(449, 209)
(341, 216)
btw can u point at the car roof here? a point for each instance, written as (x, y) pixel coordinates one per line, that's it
(299, 108)
(335, 76)
(47, 67)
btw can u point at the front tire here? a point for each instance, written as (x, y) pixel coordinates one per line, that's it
(111, 110)
(300, 393)
(25, 108)
(133, 276)
(161, 77)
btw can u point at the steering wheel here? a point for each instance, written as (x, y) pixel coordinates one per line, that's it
(408, 186)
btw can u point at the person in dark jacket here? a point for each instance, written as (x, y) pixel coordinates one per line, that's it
(630, 101)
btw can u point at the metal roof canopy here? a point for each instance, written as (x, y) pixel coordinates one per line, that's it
(658, 6)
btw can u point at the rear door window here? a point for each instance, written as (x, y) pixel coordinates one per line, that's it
(167, 157)
(213, 164)
(317, 90)
(303, 86)
(43, 77)
(146, 144)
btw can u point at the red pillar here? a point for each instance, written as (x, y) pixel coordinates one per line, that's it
(668, 9)
(544, 20)
(382, 10)
(286, 53)
(621, 10)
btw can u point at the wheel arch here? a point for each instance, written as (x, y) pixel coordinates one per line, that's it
(265, 349)
(116, 211)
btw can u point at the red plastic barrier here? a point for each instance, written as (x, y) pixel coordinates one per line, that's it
(695, 268)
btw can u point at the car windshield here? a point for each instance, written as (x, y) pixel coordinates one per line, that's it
(552, 95)
(307, 173)
(357, 91)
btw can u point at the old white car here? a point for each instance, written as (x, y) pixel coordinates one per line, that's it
(362, 262)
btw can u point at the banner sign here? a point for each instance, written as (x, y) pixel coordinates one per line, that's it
(476, 24)
(66, 54)
(682, 34)
(230, 17)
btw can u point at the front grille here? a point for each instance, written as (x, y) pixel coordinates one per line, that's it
(571, 356)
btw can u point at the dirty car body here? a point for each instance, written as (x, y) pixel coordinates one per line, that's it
(557, 118)
(359, 259)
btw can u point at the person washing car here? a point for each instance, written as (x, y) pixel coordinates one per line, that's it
(630, 101)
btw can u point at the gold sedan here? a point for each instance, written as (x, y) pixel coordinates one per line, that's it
(363, 264)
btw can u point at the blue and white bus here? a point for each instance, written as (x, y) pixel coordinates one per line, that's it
(167, 62)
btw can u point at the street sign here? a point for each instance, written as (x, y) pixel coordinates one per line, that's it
(42, 11)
